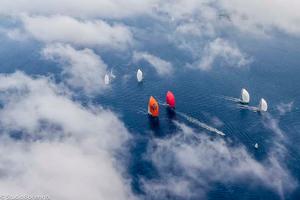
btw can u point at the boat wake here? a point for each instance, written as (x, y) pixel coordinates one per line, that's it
(233, 99)
(142, 111)
(251, 108)
(190, 119)
(201, 124)
(112, 75)
(207, 127)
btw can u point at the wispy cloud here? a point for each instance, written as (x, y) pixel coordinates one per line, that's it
(195, 29)
(161, 66)
(273, 124)
(229, 53)
(257, 17)
(284, 108)
(264, 16)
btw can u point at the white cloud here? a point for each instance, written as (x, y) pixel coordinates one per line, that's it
(186, 10)
(251, 16)
(195, 29)
(66, 151)
(197, 161)
(170, 188)
(264, 15)
(284, 108)
(189, 28)
(61, 170)
(222, 49)
(216, 121)
(75, 8)
(66, 29)
(161, 66)
(16, 34)
(273, 124)
(81, 68)
(30, 102)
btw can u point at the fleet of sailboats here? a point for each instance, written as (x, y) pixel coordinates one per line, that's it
(153, 105)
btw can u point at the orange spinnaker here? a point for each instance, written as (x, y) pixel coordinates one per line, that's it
(153, 108)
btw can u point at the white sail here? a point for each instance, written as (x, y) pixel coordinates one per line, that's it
(263, 106)
(245, 97)
(139, 75)
(106, 79)
(256, 146)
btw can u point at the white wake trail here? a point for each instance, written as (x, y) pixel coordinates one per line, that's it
(142, 111)
(201, 124)
(251, 108)
(237, 100)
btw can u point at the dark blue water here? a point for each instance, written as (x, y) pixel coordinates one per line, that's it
(273, 74)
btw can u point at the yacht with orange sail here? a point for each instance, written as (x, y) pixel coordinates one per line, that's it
(153, 107)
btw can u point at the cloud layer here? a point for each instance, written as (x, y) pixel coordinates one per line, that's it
(263, 16)
(51, 144)
(254, 16)
(189, 162)
(65, 150)
(75, 8)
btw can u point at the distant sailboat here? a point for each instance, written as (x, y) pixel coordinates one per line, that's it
(106, 79)
(263, 106)
(245, 97)
(170, 99)
(256, 146)
(139, 75)
(153, 107)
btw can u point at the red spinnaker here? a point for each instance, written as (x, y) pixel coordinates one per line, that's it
(170, 99)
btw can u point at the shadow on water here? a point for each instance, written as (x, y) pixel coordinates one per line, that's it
(171, 117)
(171, 113)
(164, 127)
(155, 125)
(244, 113)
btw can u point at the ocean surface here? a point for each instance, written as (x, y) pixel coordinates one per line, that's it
(201, 96)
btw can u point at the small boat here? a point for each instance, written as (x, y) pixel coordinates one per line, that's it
(153, 107)
(263, 106)
(256, 146)
(245, 97)
(170, 99)
(106, 79)
(139, 75)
